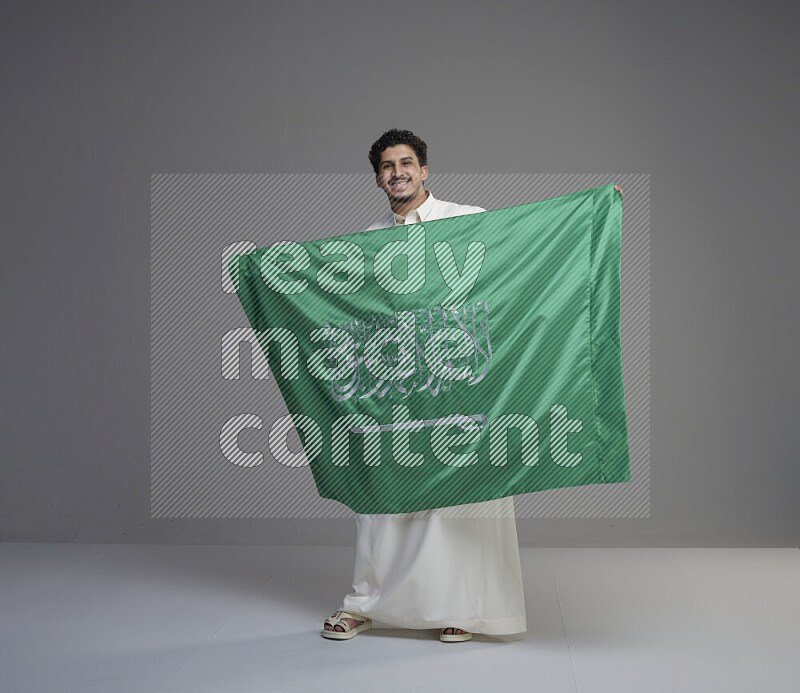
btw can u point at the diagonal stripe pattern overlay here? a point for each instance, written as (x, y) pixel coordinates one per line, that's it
(213, 405)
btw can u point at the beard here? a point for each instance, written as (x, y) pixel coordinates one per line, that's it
(401, 198)
(404, 196)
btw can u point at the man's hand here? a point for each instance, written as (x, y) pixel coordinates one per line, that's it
(618, 189)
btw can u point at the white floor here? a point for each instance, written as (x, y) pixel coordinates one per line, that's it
(118, 618)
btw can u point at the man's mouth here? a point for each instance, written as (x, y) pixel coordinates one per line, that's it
(400, 183)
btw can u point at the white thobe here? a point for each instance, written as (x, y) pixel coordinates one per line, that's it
(443, 567)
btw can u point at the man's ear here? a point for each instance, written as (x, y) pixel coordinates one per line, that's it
(423, 176)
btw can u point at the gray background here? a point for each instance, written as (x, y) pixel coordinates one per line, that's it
(98, 96)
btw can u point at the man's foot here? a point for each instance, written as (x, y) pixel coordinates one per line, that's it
(343, 625)
(339, 628)
(452, 634)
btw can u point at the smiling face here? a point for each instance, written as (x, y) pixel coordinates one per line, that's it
(400, 176)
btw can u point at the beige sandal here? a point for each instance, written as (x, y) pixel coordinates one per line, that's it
(338, 620)
(453, 637)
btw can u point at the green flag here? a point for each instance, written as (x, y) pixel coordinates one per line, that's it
(452, 361)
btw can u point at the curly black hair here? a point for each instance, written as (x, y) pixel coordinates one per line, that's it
(392, 137)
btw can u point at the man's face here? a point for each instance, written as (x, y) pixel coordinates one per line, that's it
(399, 173)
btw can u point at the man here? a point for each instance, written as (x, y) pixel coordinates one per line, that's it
(456, 571)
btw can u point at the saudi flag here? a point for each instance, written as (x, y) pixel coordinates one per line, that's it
(453, 361)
